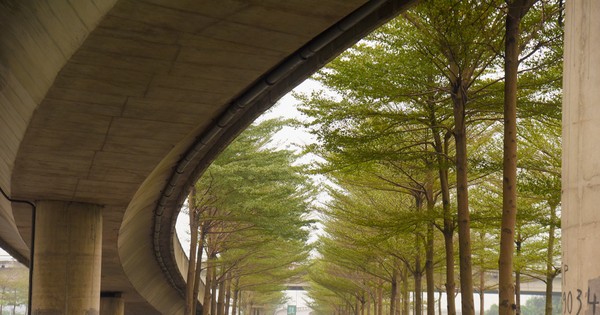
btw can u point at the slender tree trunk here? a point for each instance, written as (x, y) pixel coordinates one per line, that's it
(481, 291)
(198, 271)
(190, 300)
(359, 307)
(550, 274)
(221, 299)
(429, 271)
(206, 306)
(234, 302)
(405, 293)
(394, 292)
(379, 306)
(429, 244)
(518, 292)
(228, 293)
(418, 278)
(449, 251)
(481, 278)
(440, 303)
(506, 287)
(214, 285)
(448, 231)
(459, 97)
(516, 10)
(464, 220)
(450, 284)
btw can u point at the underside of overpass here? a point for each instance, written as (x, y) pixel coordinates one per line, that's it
(109, 110)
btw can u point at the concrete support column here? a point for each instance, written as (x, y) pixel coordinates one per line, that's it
(111, 303)
(67, 258)
(581, 159)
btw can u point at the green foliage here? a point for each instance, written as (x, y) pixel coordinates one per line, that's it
(388, 116)
(254, 204)
(14, 285)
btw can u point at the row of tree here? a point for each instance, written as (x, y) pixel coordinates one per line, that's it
(14, 286)
(249, 223)
(418, 134)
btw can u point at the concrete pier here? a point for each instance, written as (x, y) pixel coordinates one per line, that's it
(112, 303)
(67, 258)
(581, 159)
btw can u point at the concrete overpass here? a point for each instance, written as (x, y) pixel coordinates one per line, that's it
(110, 109)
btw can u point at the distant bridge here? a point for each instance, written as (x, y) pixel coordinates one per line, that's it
(528, 287)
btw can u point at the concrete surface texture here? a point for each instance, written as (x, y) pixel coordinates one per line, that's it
(122, 104)
(581, 159)
(67, 258)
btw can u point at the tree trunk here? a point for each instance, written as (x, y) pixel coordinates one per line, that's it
(550, 274)
(518, 292)
(481, 291)
(221, 299)
(449, 251)
(228, 293)
(518, 278)
(506, 288)
(481, 278)
(418, 277)
(379, 306)
(206, 306)
(214, 285)
(448, 230)
(190, 301)
(234, 303)
(516, 10)
(394, 292)
(429, 270)
(459, 98)
(198, 271)
(405, 293)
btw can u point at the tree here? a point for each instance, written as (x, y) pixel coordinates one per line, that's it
(253, 195)
(400, 95)
(515, 45)
(14, 285)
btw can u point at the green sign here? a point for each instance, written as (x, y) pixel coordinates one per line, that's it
(291, 309)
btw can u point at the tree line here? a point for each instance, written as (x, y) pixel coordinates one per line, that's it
(14, 286)
(249, 222)
(418, 133)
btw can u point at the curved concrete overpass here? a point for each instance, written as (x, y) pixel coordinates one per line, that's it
(120, 105)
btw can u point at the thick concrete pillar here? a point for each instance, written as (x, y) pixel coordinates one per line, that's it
(67, 258)
(111, 303)
(581, 159)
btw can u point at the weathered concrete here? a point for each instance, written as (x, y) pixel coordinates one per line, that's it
(112, 304)
(124, 103)
(67, 258)
(581, 159)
